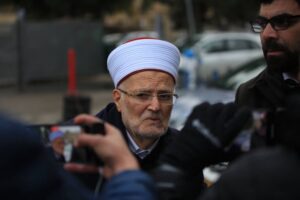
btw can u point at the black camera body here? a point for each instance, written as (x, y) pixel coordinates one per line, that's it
(61, 139)
(259, 131)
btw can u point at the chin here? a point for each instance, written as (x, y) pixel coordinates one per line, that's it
(275, 64)
(153, 134)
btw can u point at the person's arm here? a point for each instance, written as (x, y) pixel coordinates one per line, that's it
(208, 133)
(207, 136)
(125, 179)
(131, 185)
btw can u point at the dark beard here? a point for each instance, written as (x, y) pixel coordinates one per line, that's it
(288, 62)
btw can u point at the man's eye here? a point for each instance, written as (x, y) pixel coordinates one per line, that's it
(142, 95)
(261, 21)
(165, 96)
(282, 21)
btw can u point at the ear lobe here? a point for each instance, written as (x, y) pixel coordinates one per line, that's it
(117, 97)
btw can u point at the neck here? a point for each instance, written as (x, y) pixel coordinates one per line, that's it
(144, 143)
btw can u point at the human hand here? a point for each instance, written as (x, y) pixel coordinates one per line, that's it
(207, 132)
(219, 123)
(110, 147)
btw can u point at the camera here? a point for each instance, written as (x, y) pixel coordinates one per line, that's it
(259, 131)
(60, 138)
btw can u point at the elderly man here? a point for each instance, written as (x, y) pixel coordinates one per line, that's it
(144, 72)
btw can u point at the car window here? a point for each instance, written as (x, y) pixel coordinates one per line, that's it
(253, 45)
(215, 46)
(240, 44)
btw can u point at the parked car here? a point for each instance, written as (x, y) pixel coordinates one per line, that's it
(190, 98)
(184, 41)
(219, 52)
(241, 74)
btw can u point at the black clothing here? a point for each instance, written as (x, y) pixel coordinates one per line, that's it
(266, 91)
(111, 115)
(265, 174)
(29, 172)
(207, 131)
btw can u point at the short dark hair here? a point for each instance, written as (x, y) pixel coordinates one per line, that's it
(270, 1)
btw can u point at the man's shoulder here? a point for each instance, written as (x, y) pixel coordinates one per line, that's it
(261, 172)
(254, 81)
(169, 136)
(173, 131)
(265, 163)
(109, 108)
(246, 92)
(111, 114)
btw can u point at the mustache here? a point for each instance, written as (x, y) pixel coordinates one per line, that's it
(274, 46)
(153, 116)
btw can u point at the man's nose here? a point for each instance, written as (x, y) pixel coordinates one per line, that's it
(154, 105)
(268, 32)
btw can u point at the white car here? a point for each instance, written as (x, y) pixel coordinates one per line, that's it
(188, 99)
(243, 76)
(220, 52)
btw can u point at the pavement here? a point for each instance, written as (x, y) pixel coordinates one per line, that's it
(43, 102)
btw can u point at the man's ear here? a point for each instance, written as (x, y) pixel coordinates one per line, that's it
(116, 95)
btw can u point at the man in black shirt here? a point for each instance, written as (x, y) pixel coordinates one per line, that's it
(279, 29)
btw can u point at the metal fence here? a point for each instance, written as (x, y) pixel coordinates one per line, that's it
(8, 53)
(32, 50)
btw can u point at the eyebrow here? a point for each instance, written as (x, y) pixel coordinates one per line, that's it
(150, 91)
(278, 14)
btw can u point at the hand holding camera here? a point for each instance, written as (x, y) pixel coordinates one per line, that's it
(110, 147)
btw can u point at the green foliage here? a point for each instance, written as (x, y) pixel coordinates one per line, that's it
(234, 12)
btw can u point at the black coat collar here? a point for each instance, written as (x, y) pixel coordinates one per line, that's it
(113, 116)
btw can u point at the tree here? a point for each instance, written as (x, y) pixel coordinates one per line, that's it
(214, 13)
(217, 13)
(51, 9)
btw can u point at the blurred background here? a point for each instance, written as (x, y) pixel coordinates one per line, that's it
(53, 53)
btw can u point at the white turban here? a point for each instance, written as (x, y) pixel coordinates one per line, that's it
(140, 55)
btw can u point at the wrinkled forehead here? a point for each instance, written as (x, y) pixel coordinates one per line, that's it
(149, 79)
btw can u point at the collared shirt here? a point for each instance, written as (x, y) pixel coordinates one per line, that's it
(142, 153)
(290, 81)
(286, 76)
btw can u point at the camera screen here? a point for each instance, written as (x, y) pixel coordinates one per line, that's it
(60, 138)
